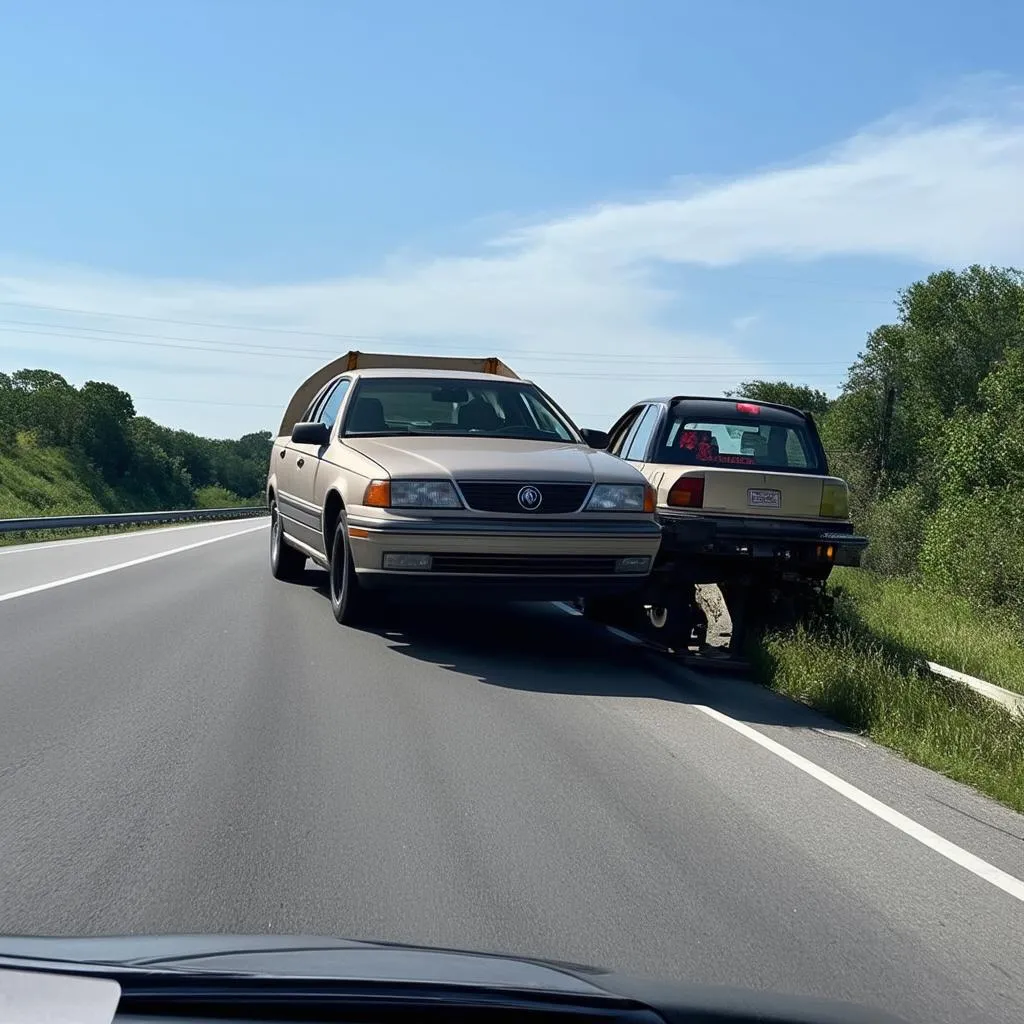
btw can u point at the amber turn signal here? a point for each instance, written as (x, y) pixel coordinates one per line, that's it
(378, 494)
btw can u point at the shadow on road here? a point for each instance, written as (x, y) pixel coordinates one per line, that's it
(543, 649)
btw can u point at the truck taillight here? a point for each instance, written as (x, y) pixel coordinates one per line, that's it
(687, 492)
(835, 500)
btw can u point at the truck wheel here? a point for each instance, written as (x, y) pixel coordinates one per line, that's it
(348, 599)
(678, 624)
(286, 563)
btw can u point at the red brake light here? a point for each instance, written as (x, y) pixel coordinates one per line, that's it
(687, 492)
(748, 407)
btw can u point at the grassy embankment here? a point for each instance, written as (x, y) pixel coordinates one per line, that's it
(864, 668)
(37, 481)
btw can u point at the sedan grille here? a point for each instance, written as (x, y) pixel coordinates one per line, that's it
(526, 565)
(485, 496)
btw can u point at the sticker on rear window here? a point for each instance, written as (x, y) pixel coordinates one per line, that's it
(703, 446)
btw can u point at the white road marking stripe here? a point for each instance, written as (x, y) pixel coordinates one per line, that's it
(957, 854)
(47, 545)
(39, 587)
(988, 872)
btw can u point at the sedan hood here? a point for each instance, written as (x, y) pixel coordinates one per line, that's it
(494, 458)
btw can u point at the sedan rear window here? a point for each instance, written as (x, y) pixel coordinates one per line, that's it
(740, 444)
(432, 405)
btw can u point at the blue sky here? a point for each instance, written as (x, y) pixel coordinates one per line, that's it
(200, 201)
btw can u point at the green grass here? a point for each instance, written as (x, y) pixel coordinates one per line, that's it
(45, 482)
(939, 627)
(874, 684)
(38, 481)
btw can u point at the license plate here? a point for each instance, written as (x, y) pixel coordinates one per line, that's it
(764, 499)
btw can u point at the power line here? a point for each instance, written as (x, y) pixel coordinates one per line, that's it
(723, 369)
(226, 347)
(186, 323)
(334, 335)
(208, 401)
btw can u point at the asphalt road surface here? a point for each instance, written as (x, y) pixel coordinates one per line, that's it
(187, 745)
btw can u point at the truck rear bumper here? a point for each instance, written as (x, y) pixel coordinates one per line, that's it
(735, 543)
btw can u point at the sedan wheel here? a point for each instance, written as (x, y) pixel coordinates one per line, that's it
(285, 562)
(348, 599)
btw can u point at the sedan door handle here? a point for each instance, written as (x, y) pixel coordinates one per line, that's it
(301, 462)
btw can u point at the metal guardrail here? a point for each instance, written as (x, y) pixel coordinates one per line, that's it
(186, 515)
(1013, 702)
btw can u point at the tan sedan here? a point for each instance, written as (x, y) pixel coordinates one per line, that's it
(408, 472)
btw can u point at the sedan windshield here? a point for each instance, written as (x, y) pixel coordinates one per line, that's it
(431, 405)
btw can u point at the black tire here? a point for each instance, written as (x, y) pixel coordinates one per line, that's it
(349, 601)
(672, 623)
(286, 563)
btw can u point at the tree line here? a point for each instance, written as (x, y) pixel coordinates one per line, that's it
(141, 464)
(928, 429)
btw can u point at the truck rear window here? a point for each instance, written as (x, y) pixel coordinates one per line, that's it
(740, 444)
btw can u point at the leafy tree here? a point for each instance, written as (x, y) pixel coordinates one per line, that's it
(985, 450)
(953, 329)
(128, 461)
(103, 430)
(8, 418)
(44, 402)
(782, 392)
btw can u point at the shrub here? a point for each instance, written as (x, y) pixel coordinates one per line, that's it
(974, 546)
(216, 497)
(896, 527)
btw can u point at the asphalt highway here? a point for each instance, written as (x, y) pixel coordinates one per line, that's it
(187, 745)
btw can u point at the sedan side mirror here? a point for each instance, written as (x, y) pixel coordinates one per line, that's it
(595, 438)
(311, 433)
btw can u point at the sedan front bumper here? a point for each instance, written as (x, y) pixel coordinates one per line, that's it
(527, 558)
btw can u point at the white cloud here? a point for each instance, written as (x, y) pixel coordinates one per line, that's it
(578, 294)
(740, 324)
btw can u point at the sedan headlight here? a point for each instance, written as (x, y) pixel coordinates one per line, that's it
(413, 494)
(621, 498)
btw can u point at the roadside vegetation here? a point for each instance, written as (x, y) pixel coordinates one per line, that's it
(946, 628)
(928, 430)
(68, 450)
(877, 686)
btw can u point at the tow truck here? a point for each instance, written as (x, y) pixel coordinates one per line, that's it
(746, 501)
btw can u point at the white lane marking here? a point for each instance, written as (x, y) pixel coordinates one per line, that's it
(628, 637)
(957, 854)
(39, 587)
(48, 545)
(988, 872)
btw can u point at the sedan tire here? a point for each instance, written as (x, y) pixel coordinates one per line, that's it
(348, 600)
(286, 563)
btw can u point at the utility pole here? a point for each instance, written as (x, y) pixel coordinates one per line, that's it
(885, 438)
